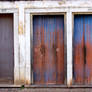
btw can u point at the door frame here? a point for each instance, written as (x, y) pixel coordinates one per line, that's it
(29, 13)
(15, 34)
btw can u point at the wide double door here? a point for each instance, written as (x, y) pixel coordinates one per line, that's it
(82, 47)
(48, 49)
(6, 49)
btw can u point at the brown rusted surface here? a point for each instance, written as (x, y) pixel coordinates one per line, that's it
(88, 45)
(6, 49)
(83, 49)
(48, 50)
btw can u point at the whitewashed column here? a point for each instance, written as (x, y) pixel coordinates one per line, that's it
(28, 48)
(69, 48)
(16, 50)
(21, 43)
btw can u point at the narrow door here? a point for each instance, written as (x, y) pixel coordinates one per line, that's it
(6, 49)
(48, 49)
(82, 44)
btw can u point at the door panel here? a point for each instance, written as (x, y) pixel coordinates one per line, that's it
(6, 48)
(48, 49)
(83, 49)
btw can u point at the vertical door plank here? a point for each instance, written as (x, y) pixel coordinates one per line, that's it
(78, 44)
(38, 57)
(60, 50)
(88, 45)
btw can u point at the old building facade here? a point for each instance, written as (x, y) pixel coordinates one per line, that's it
(46, 44)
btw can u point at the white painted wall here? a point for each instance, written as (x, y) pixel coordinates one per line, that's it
(23, 11)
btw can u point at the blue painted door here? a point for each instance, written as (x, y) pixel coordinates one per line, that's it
(48, 49)
(82, 47)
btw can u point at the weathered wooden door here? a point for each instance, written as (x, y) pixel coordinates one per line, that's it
(6, 48)
(82, 44)
(48, 49)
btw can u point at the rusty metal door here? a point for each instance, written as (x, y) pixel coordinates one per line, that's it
(6, 48)
(48, 49)
(82, 44)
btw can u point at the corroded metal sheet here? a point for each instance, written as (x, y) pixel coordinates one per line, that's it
(48, 49)
(6, 49)
(83, 49)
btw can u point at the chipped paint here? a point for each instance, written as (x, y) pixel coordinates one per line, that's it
(69, 83)
(61, 2)
(27, 82)
(21, 31)
(46, 4)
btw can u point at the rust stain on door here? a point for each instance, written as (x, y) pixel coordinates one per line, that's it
(82, 44)
(48, 49)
